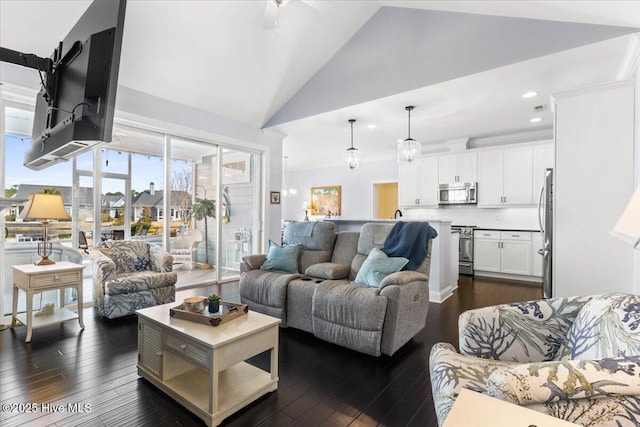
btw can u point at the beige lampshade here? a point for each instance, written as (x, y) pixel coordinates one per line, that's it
(628, 226)
(44, 206)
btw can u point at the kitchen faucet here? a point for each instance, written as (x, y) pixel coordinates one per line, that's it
(395, 214)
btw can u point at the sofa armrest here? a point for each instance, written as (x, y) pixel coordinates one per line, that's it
(402, 278)
(253, 262)
(328, 271)
(161, 260)
(544, 382)
(103, 265)
(523, 332)
(407, 294)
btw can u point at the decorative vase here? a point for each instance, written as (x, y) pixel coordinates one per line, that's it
(214, 306)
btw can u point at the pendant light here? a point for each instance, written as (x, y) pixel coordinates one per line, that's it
(409, 150)
(353, 154)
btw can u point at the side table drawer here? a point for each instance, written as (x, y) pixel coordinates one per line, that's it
(187, 348)
(56, 279)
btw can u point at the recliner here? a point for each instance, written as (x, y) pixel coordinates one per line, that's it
(322, 298)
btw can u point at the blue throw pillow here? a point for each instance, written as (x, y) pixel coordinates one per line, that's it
(377, 266)
(282, 258)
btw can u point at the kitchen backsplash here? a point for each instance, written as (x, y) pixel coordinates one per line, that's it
(525, 218)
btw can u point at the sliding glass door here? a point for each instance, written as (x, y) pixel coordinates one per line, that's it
(145, 185)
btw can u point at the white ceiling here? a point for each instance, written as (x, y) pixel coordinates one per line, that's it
(216, 56)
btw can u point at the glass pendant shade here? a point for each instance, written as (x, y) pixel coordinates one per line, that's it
(409, 150)
(353, 158)
(353, 154)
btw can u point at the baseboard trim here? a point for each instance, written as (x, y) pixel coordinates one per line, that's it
(440, 297)
(517, 277)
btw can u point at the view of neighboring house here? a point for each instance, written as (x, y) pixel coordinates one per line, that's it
(85, 198)
(111, 204)
(152, 200)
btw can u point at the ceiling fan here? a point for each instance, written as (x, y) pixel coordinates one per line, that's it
(272, 11)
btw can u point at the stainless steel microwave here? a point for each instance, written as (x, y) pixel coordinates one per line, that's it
(458, 194)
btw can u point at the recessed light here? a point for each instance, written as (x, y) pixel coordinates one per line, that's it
(399, 140)
(530, 94)
(371, 126)
(536, 120)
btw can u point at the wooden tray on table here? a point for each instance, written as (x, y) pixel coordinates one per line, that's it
(228, 311)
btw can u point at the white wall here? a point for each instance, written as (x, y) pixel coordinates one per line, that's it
(357, 187)
(593, 181)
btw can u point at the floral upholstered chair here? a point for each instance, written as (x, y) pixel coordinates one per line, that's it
(129, 275)
(575, 358)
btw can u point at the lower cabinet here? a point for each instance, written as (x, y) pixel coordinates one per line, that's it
(506, 252)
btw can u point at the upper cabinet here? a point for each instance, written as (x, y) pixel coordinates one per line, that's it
(418, 183)
(458, 168)
(505, 177)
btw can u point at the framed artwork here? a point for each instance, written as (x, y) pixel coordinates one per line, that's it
(275, 197)
(326, 201)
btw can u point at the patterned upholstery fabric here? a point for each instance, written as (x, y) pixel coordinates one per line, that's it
(509, 352)
(130, 275)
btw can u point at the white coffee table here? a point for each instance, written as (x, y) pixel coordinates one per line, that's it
(203, 367)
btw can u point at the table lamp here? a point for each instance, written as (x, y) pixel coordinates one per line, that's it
(628, 226)
(44, 207)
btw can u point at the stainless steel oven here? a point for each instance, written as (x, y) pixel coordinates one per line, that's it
(465, 249)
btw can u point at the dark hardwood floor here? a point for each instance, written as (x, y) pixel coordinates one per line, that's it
(320, 384)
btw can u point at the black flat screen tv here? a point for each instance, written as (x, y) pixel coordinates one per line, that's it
(76, 103)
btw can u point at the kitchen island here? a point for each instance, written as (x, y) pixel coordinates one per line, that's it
(442, 277)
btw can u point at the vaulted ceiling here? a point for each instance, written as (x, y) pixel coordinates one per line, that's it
(464, 64)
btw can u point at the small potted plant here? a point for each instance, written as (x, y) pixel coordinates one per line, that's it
(214, 303)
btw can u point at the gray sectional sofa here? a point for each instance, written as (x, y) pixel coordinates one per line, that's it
(322, 298)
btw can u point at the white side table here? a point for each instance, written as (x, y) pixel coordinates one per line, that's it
(34, 279)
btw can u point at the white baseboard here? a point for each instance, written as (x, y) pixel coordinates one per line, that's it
(537, 279)
(440, 297)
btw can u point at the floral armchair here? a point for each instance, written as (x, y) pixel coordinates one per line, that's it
(129, 275)
(575, 358)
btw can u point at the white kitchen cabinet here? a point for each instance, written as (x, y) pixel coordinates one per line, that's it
(418, 183)
(486, 251)
(518, 176)
(536, 258)
(458, 168)
(505, 177)
(490, 177)
(506, 252)
(515, 253)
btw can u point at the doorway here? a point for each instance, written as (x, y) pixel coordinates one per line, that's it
(385, 200)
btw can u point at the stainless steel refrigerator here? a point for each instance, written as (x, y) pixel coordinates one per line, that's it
(545, 219)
